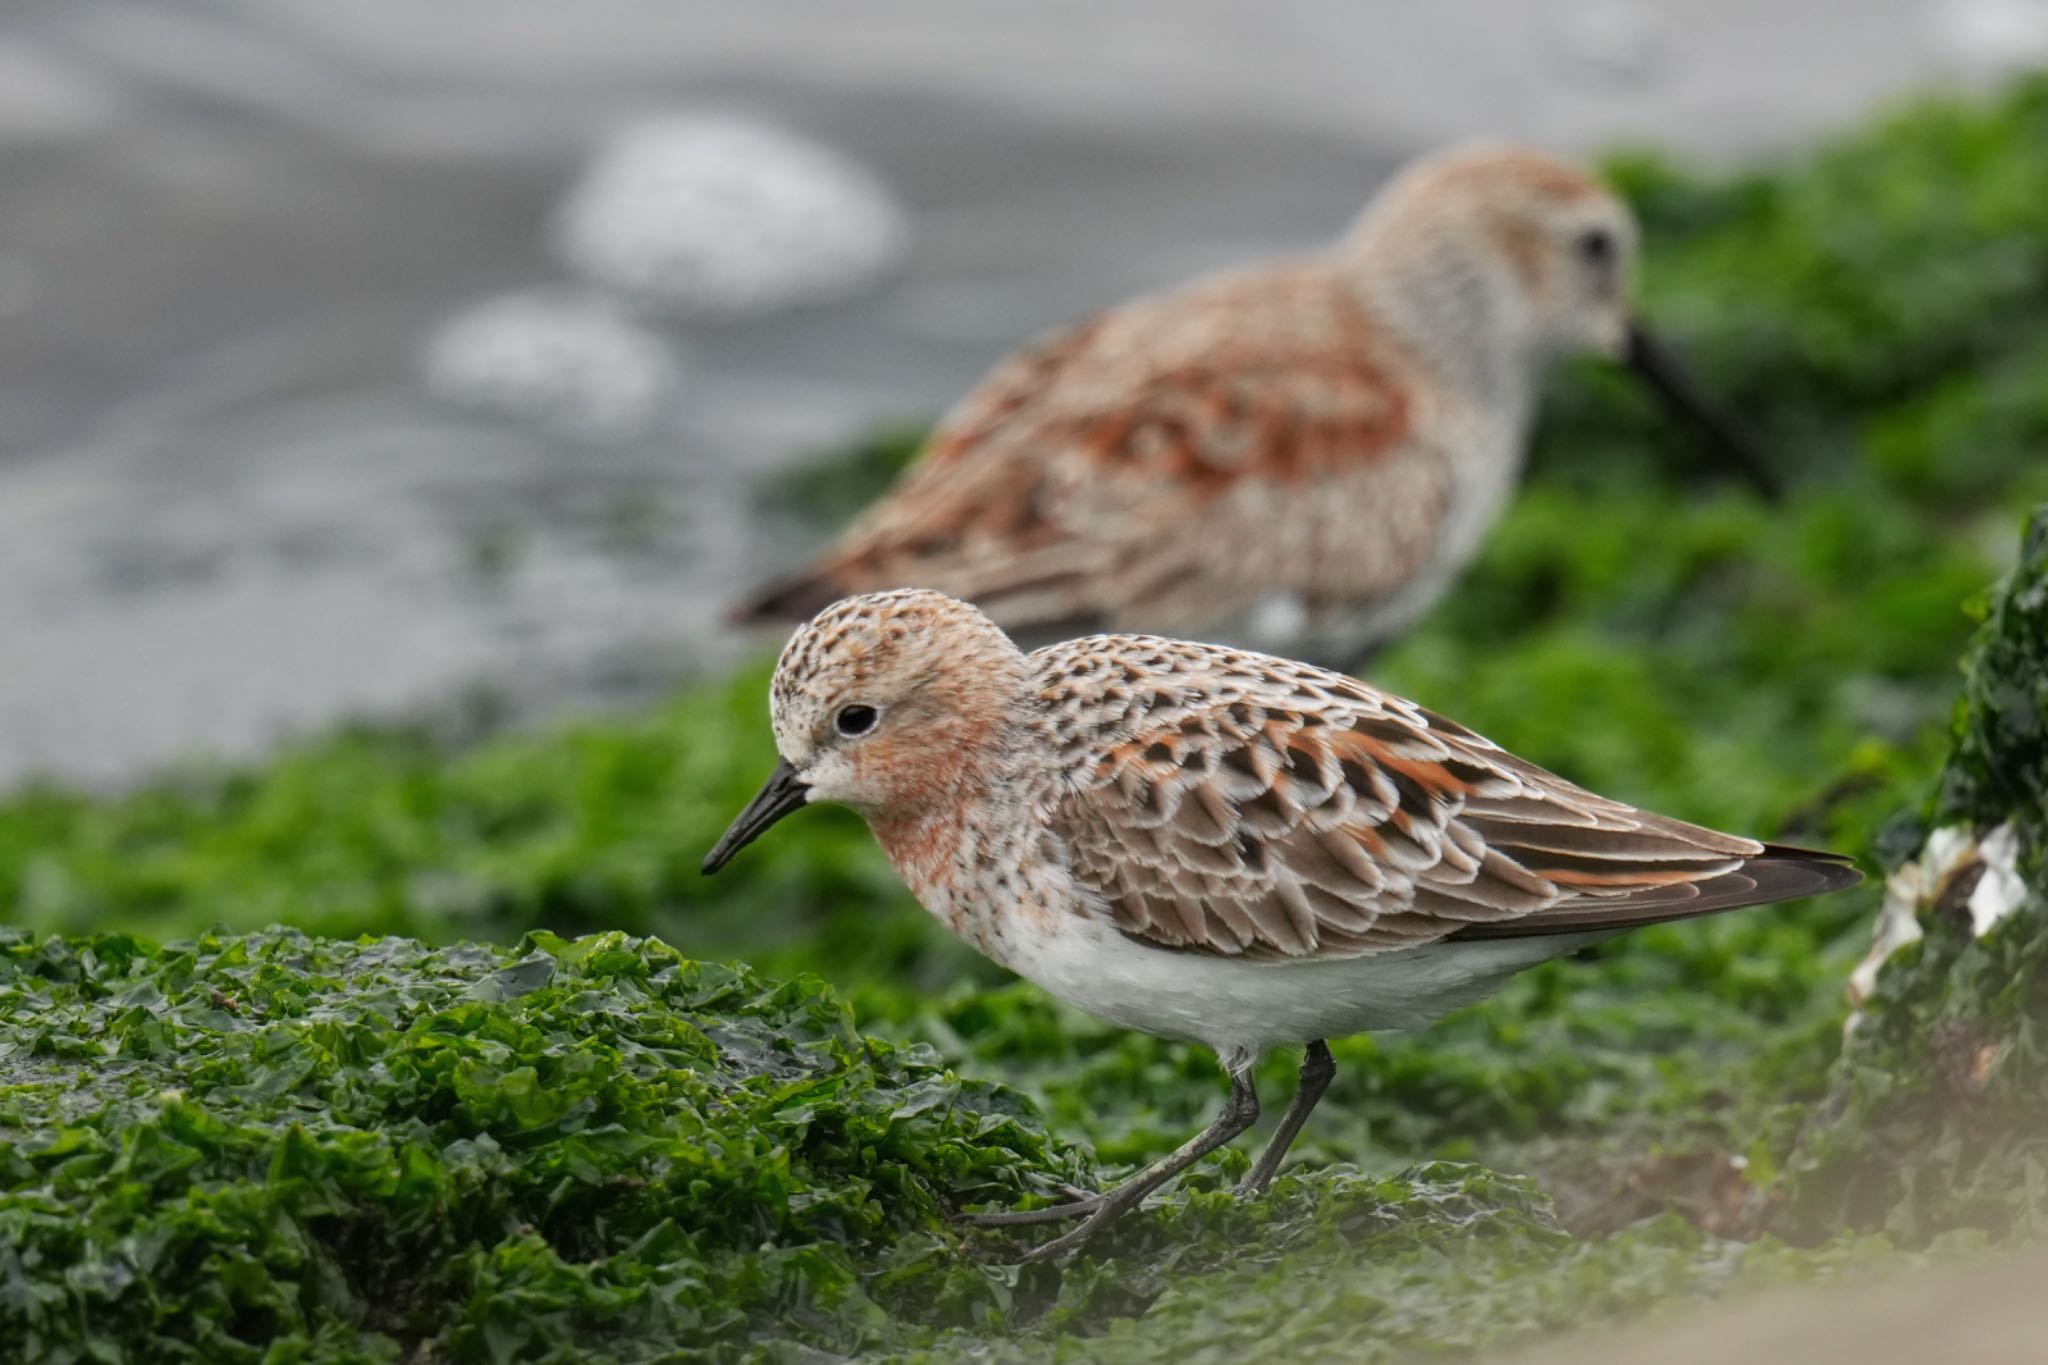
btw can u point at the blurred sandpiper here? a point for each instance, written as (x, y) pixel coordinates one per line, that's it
(1301, 456)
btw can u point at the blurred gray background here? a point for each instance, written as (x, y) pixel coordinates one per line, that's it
(232, 505)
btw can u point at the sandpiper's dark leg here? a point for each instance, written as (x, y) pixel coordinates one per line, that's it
(1317, 1067)
(1240, 1112)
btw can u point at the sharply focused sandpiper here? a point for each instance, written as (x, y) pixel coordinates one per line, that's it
(1217, 845)
(1298, 456)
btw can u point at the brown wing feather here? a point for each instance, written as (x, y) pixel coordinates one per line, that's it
(1237, 804)
(1103, 467)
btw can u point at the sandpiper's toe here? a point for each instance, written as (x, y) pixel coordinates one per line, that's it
(1081, 1206)
(1109, 1209)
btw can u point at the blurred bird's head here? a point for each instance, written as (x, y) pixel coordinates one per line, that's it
(1528, 247)
(1491, 260)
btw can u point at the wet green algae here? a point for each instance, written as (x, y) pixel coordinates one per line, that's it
(240, 1147)
(272, 1147)
(591, 1148)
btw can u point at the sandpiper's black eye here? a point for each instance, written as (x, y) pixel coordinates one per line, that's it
(855, 720)
(1596, 245)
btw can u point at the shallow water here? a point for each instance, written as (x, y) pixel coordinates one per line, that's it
(230, 511)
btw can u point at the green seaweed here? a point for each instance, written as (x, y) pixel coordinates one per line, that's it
(229, 1142)
(272, 1147)
(1998, 770)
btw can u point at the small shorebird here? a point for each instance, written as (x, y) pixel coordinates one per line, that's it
(1217, 845)
(1298, 456)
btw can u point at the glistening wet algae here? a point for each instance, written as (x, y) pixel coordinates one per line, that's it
(272, 1147)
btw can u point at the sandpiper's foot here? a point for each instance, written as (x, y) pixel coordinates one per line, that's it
(1239, 1113)
(1108, 1208)
(1079, 1205)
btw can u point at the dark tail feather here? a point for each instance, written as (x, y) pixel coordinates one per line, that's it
(1779, 873)
(787, 601)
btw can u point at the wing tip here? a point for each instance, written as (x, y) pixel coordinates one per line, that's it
(1780, 872)
(1827, 871)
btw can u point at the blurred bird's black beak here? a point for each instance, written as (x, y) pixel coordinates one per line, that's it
(782, 793)
(1655, 365)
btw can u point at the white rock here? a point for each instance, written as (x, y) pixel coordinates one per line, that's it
(1999, 890)
(1614, 42)
(1917, 888)
(1898, 924)
(715, 216)
(573, 363)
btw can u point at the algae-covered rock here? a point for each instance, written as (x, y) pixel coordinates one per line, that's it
(1937, 1114)
(2000, 766)
(274, 1147)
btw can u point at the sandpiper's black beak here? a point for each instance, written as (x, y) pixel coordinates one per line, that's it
(1657, 367)
(782, 793)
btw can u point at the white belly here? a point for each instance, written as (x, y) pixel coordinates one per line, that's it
(1240, 1008)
